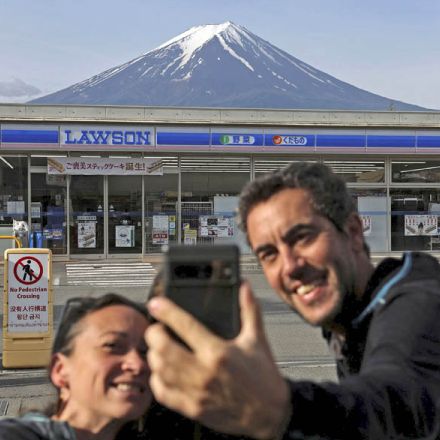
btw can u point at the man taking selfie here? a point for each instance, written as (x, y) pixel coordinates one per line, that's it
(382, 323)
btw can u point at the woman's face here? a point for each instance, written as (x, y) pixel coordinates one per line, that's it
(106, 375)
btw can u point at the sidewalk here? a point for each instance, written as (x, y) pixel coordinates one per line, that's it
(26, 389)
(22, 390)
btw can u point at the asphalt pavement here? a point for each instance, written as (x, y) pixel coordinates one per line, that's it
(26, 389)
(298, 349)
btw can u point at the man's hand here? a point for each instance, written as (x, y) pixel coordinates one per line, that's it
(231, 386)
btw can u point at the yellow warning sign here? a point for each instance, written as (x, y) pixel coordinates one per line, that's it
(28, 308)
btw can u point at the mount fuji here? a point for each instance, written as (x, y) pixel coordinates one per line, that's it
(221, 65)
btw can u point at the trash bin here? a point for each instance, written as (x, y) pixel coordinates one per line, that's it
(39, 239)
(31, 239)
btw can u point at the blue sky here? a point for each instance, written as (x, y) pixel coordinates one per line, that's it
(387, 47)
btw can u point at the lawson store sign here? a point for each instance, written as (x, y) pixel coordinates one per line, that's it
(109, 136)
(213, 138)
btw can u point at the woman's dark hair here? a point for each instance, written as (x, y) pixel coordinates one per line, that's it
(76, 309)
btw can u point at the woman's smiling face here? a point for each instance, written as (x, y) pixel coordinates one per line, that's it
(106, 375)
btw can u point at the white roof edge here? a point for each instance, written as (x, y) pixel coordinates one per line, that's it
(25, 113)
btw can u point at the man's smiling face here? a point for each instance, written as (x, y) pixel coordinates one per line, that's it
(307, 261)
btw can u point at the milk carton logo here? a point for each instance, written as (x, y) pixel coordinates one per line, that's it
(237, 139)
(289, 140)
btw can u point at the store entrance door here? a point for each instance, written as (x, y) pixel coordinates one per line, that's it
(87, 215)
(106, 215)
(124, 215)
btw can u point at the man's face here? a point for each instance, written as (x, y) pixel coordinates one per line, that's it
(307, 261)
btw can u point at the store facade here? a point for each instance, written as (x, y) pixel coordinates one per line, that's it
(103, 182)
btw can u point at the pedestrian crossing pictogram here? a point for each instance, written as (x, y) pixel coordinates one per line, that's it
(28, 270)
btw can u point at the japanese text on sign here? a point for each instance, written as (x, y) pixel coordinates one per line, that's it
(216, 226)
(103, 166)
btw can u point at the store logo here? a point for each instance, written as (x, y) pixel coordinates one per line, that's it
(237, 139)
(107, 137)
(289, 140)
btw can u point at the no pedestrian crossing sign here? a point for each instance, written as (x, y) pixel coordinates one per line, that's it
(28, 270)
(27, 291)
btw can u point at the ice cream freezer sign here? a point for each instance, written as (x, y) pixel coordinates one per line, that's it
(28, 293)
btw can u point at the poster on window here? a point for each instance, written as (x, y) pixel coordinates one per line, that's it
(124, 236)
(421, 225)
(15, 207)
(216, 226)
(160, 229)
(86, 235)
(190, 236)
(366, 224)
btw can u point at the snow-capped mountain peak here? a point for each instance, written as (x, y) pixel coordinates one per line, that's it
(195, 38)
(220, 65)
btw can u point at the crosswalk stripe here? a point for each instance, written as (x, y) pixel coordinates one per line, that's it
(108, 274)
(106, 283)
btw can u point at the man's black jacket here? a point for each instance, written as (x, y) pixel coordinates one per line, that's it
(389, 363)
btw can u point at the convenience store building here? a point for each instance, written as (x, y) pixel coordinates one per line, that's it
(102, 181)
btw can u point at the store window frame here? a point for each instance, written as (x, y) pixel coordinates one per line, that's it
(253, 158)
(414, 160)
(239, 164)
(408, 185)
(375, 186)
(42, 169)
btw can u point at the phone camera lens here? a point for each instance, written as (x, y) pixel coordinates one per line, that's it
(206, 272)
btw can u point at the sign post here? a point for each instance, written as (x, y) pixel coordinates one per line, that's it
(27, 308)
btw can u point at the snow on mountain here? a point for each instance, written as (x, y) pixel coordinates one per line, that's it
(222, 65)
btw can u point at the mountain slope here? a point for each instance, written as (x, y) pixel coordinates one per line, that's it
(220, 66)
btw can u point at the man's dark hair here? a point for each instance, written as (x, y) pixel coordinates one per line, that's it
(329, 194)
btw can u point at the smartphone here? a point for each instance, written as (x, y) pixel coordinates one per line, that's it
(204, 280)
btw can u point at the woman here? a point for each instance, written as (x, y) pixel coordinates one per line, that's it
(99, 369)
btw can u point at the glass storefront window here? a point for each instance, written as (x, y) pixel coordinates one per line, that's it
(13, 197)
(372, 208)
(41, 161)
(415, 171)
(48, 212)
(270, 164)
(210, 186)
(415, 215)
(210, 189)
(161, 207)
(358, 171)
